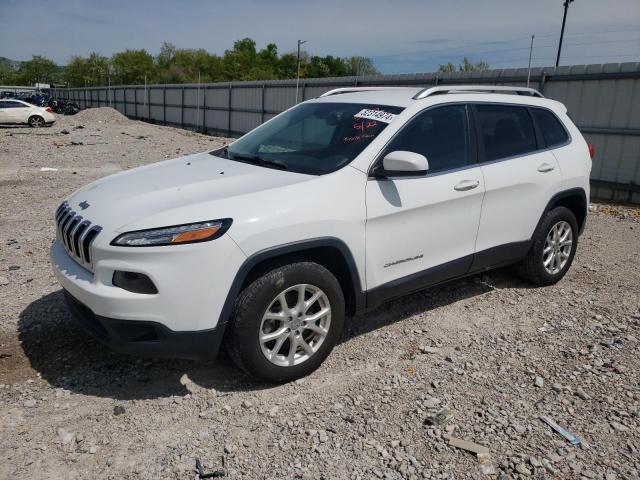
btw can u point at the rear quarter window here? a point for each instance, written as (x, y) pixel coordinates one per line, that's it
(553, 132)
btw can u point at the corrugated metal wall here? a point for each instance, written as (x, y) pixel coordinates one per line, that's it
(603, 100)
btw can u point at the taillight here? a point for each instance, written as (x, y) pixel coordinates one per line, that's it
(48, 110)
(592, 150)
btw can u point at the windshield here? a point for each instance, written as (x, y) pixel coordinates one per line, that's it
(312, 138)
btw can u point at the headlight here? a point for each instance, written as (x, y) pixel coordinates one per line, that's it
(175, 235)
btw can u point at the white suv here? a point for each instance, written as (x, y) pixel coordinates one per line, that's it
(332, 207)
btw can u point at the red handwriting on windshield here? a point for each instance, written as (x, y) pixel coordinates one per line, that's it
(357, 138)
(362, 126)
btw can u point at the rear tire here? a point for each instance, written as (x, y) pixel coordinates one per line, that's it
(299, 307)
(553, 248)
(36, 121)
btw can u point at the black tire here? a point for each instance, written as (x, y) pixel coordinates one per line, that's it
(242, 335)
(36, 121)
(532, 267)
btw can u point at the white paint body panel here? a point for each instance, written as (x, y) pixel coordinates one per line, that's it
(22, 115)
(516, 195)
(380, 221)
(420, 222)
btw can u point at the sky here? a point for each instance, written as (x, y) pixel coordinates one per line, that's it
(401, 36)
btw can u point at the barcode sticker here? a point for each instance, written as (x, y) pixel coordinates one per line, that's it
(379, 115)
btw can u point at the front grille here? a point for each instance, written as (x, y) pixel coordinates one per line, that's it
(76, 234)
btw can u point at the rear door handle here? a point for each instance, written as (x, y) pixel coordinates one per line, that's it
(545, 167)
(465, 185)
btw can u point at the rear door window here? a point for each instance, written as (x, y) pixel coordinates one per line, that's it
(505, 130)
(553, 132)
(11, 104)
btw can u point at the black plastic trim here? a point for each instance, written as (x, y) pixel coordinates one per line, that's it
(134, 282)
(418, 281)
(569, 193)
(499, 256)
(495, 257)
(146, 339)
(292, 248)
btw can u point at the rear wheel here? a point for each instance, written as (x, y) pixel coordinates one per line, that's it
(285, 323)
(36, 121)
(554, 247)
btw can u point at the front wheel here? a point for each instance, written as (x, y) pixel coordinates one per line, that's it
(553, 248)
(285, 323)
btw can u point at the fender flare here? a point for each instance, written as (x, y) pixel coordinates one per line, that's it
(291, 249)
(578, 191)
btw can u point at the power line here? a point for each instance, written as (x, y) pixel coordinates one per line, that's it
(553, 46)
(462, 47)
(517, 60)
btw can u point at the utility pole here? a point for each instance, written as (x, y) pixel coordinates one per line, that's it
(564, 20)
(300, 42)
(109, 83)
(530, 54)
(144, 105)
(198, 103)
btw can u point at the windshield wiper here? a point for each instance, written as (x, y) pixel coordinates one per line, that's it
(258, 160)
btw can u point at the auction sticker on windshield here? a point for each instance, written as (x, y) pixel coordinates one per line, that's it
(379, 115)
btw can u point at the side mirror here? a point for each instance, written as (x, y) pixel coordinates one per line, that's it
(403, 164)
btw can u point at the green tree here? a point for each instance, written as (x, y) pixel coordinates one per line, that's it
(91, 71)
(328, 66)
(8, 76)
(179, 65)
(287, 66)
(176, 65)
(465, 66)
(38, 70)
(131, 66)
(360, 66)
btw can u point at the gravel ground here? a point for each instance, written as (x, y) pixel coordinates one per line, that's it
(489, 354)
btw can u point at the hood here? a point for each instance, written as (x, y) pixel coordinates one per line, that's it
(118, 200)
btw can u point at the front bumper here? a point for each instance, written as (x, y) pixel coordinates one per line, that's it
(193, 282)
(147, 339)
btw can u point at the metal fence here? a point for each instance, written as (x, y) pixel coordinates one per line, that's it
(603, 100)
(15, 89)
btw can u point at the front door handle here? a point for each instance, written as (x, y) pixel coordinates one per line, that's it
(465, 185)
(545, 167)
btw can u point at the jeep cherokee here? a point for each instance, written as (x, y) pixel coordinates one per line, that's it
(333, 207)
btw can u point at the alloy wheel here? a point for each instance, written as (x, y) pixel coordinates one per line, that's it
(557, 247)
(295, 325)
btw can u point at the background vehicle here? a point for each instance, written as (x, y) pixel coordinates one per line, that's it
(334, 206)
(17, 112)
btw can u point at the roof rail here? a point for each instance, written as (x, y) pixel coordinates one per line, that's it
(427, 92)
(338, 91)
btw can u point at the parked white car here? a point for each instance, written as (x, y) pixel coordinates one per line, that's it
(331, 208)
(19, 112)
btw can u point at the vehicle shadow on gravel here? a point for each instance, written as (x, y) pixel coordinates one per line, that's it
(67, 357)
(431, 298)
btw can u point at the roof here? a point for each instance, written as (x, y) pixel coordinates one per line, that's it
(407, 96)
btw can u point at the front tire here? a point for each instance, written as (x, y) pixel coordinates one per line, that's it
(36, 121)
(285, 323)
(554, 246)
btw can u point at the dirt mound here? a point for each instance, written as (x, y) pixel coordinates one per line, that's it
(103, 114)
